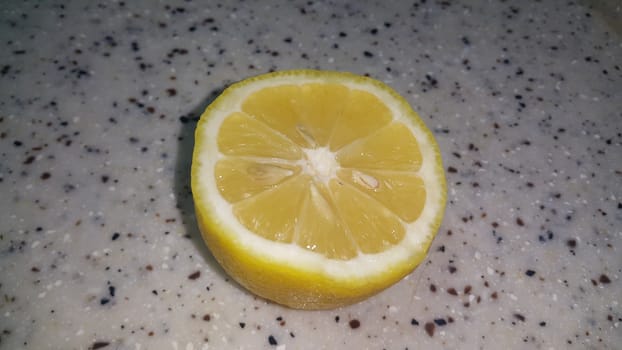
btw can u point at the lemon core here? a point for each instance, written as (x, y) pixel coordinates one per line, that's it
(320, 163)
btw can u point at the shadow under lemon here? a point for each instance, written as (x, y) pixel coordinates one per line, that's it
(182, 188)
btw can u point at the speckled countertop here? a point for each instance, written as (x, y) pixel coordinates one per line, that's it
(98, 102)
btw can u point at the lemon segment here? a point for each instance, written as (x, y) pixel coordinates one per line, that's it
(241, 135)
(319, 107)
(275, 106)
(363, 113)
(263, 215)
(240, 178)
(320, 230)
(401, 192)
(393, 148)
(376, 228)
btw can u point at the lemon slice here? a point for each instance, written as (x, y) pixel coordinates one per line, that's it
(316, 189)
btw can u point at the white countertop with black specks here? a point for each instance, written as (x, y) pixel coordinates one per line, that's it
(99, 248)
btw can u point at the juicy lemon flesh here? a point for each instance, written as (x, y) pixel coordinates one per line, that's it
(311, 192)
(361, 206)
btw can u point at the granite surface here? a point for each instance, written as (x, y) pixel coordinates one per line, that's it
(99, 248)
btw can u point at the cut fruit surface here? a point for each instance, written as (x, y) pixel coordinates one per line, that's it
(316, 189)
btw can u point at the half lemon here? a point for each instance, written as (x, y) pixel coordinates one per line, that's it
(316, 189)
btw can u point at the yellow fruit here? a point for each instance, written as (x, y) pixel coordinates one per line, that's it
(316, 189)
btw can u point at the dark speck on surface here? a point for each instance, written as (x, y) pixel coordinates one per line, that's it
(440, 321)
(194, 275)
(272, 340)
(429, 328)
(99, 345)
(604, 279)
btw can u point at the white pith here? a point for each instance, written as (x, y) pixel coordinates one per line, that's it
(321, 164)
